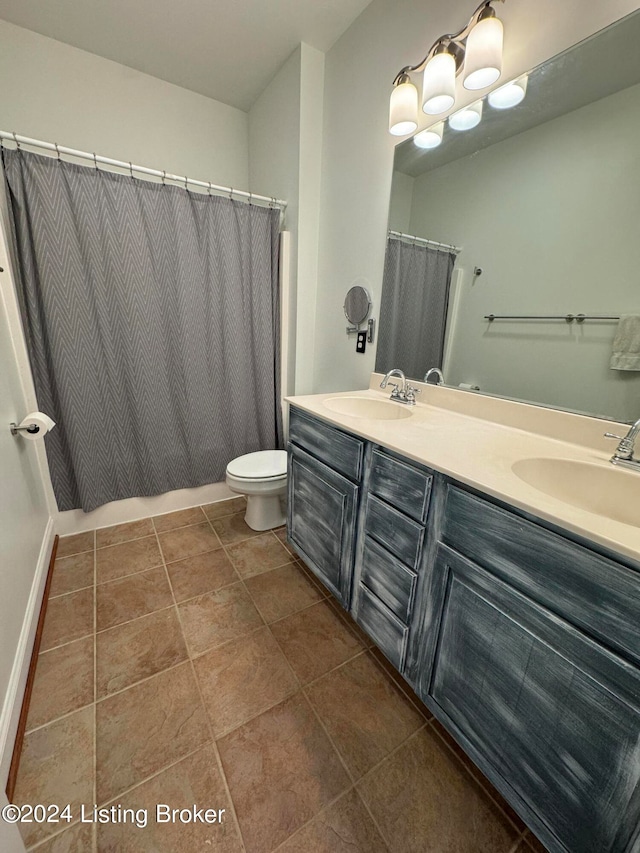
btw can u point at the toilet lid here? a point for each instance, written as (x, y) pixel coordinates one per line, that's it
(260, 465)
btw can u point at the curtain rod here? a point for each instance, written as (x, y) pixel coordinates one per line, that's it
(131, 167)
(400, 236)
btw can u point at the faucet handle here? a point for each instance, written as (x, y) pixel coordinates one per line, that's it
(613, 435)
(411, 393)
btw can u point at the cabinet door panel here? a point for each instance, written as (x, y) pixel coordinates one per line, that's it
(551, 711)
(321, 520)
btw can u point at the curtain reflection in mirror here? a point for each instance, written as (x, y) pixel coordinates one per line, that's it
(413, 309)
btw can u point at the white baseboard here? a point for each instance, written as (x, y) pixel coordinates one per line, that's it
(15, 691)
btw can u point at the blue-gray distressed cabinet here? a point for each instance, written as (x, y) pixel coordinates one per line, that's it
(323, 492)
(522, 639)
(530, 654)
(393, 537)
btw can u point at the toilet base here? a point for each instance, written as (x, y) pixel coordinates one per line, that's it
(264, 512)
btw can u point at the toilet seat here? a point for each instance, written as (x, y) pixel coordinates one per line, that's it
(263, 465)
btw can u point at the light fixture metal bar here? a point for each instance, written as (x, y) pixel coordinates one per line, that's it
(449, 39)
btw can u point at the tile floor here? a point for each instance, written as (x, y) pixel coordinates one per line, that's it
(186, 660)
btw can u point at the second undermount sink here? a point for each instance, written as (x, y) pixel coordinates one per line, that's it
(610, 492)
(365, 407)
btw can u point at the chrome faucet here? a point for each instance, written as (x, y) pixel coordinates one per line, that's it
(438, 373)
(403, 393)
(624, 451)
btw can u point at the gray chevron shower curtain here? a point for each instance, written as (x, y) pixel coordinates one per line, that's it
(152, 321)
(413, 307)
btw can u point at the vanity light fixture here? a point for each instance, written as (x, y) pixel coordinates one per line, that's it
(431, 137)
(509, 95)
(476, 51)
(403, 108)
(467, 117)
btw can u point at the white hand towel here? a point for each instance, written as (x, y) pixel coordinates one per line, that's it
(626, 344)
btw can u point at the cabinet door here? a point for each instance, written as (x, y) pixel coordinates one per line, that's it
(321, 520)
(544, 710)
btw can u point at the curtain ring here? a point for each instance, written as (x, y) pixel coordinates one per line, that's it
(95, 161)
(185, 183)
(164, 177)
(231, 194)
(15, 139)
(250, 198)
(209, 190)
(130, 169)
(272, 203)
(57, 150)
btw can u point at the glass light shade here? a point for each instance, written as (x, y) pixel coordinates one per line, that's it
(439, 87)
(509, 95)
(431, 137)
(483, 56)
(403, 109)
(467, 117)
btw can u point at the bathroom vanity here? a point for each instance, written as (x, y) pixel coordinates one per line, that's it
(515, 622)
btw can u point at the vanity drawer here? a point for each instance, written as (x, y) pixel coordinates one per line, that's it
(401, 485)
(388, 578)
(337, 449)
(387, 632)
(399, 534)
(593, 592)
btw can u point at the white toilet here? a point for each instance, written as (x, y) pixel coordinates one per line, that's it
(262, 477)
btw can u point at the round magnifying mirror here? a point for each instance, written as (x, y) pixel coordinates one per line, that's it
(357, 305)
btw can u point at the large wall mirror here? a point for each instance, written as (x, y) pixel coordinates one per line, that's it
(544, 199)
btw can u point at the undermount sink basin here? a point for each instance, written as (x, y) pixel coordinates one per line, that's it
(365, 407)
(610, 492)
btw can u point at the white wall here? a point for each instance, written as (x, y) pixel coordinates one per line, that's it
(285, 138)
(551, 216)
(54, 92)
(358, 151)
(274, 168)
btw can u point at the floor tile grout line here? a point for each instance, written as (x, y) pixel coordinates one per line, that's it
(206, 713)
(302, 609)
(71, 591)
(153, 775)
(322, 811)
(280, 618)
(253, 717)
(375, 767)
(333, 669)
(143, 680)
(67, 642)
(49, 838)
(135, 618)
(350, 775)
(194, 657)
(483, 783)
(404, 687)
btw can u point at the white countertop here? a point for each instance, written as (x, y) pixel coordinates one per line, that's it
(481, 452)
